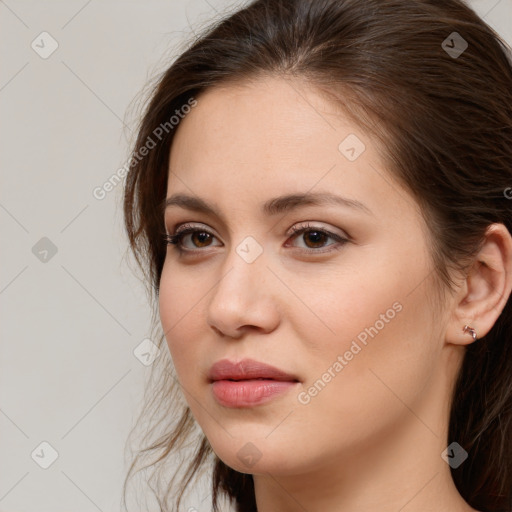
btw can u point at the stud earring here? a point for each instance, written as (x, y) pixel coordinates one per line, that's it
(471, 331)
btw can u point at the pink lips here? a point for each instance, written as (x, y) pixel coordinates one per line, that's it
(248, 382)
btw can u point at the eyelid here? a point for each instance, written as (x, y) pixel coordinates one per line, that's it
(290, 232)
(188, 225)
(294, 232)
(308, 224)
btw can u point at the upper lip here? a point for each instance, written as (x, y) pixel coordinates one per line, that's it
(247, 369)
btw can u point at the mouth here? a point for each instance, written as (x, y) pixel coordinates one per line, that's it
(247, 369)
(248, 383)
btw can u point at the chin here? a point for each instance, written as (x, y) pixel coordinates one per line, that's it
(255, 455)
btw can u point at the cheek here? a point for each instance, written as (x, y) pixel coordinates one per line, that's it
(179, 307)
(375, 315)
(382, 353)
(373, 389)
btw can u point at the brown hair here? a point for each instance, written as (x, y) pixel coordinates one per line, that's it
(445, 124)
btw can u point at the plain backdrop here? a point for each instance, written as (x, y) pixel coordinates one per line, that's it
(72, 310)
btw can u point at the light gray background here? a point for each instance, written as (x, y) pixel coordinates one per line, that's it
(70, 324)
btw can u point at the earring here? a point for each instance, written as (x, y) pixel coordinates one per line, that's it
(471, 331)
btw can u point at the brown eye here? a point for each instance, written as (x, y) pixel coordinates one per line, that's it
(315, 239)
(201, 237)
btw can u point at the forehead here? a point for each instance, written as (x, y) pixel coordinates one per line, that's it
(273, 136)
(274, 116)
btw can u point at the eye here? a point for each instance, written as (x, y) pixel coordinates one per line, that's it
(200, 237)
(316, 237)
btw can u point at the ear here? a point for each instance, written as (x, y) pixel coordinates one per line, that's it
(485, 290)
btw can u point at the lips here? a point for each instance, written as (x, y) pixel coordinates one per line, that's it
(247, 369)
(248, 383)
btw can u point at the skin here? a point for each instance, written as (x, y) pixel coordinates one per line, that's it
(372, 438)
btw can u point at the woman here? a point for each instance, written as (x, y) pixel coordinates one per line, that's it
(320, 195)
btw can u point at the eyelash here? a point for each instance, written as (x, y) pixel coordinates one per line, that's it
(177, 237)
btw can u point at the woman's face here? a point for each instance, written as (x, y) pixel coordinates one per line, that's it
(349, 319)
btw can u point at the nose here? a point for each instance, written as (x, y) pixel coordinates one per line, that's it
(244, 298)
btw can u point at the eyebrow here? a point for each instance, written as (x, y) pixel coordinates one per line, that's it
(273, 206)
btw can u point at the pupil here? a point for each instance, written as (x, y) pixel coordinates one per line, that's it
(316, 237)
(202, 237)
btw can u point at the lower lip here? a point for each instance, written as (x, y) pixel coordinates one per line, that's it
(247, 393)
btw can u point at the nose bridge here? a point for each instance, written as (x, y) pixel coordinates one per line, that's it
(242, 295)
(243, 269)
